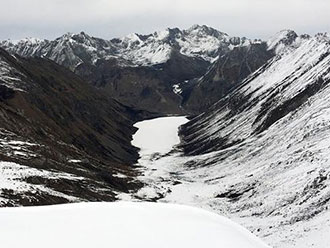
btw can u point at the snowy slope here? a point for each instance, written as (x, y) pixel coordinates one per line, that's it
(132, 50)
(47, 118)
(10, 77)
(261, 155)
(120, 225)
(13, 179)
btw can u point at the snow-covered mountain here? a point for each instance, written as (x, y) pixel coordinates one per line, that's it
(261, 154)
(68, 50)
(232, 67)
(61, 140)
(134, 49)
(149, 66)
(198, 41)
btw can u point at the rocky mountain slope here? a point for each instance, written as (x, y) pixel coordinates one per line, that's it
(267, 143)
(230, 69)
(260, 155)
(225, 73)
(61, 139)
(143, 70)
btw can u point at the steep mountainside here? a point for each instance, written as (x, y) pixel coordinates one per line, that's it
(145, 87)
(231, 68)
(264, 149)
(226, 73)
(62, 139)
(147, 67)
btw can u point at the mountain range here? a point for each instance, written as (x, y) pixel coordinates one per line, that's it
(255, 148)
(143, 71)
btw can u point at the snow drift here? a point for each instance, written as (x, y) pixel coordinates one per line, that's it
(121, 224)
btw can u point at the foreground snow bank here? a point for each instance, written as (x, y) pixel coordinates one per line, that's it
(120, 224)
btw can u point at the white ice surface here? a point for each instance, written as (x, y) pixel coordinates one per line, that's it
(120, 225)
(157, 136)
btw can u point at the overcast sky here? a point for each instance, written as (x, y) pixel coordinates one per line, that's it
(116, 18)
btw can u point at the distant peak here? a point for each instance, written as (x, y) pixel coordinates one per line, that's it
(196, 28)
(132, 37)
(323, 37)
(286, 35)
(29, 40)
(80, 37)
(282, 39)
(65, 36)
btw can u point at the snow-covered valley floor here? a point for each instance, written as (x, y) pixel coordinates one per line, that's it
(170, 177)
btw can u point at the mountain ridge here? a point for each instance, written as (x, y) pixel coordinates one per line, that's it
(62, 140)
(180, 39)
(171, 71)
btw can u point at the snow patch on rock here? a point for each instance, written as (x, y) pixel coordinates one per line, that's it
(13, 176)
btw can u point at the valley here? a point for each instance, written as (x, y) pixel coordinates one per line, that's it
(170, 176)
(232, 125)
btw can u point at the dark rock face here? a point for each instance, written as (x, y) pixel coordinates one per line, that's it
(148, 88)
(5, 92)
(68, 119)
(225, 74)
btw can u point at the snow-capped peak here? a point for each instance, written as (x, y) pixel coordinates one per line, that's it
(205, 30)
(323, 37)
(81, 37)
(198, 41)
(25, 41)
(132, 37)
(282, 40)
(162, 35)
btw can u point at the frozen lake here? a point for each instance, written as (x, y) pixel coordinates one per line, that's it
(157, 136)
